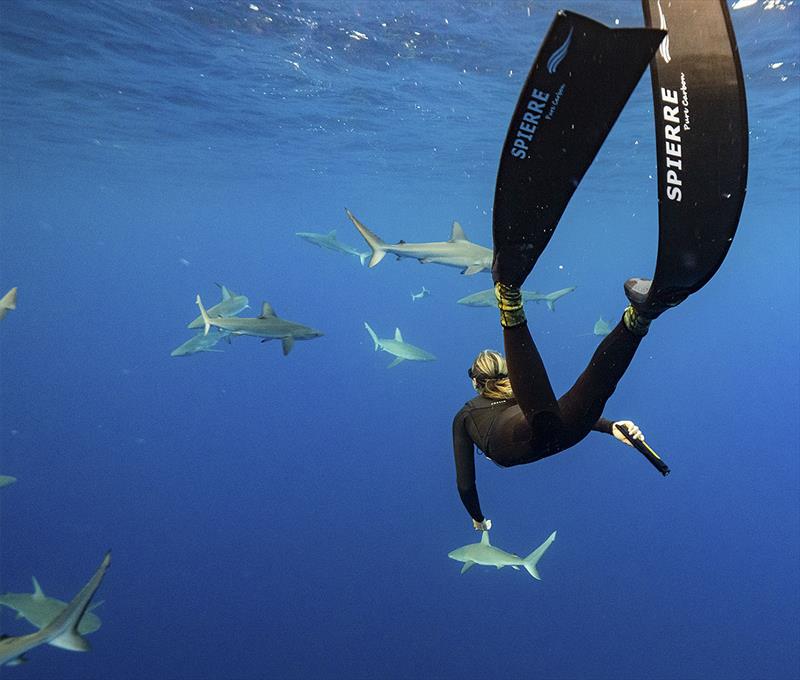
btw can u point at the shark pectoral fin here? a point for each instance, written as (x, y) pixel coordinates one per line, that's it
(395, 362)
(287, 343)
(467, 566)
(472, 269)
(72, 641)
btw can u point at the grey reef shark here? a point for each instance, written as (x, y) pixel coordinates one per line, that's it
(397, 347)
(230, 305)
(486, 298)
(330, 242)
(62, 631)
(267, 326)
(484, 553)
(458, 252)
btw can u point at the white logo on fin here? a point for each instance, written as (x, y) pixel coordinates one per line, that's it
(664, 49)
(558, 56)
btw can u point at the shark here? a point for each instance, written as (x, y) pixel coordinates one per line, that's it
(8, 302)
(486, 298)
(398, 347)
(418, 296)
(200, 343)
(38, 609)
(62, 631)
(601, 327)
(469, 257)
(485, 554)
(268, 326)
(230, 305)
(330, 242)
(5, 480)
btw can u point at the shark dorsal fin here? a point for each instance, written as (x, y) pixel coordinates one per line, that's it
(485, 538)
(226, 294)
(397, 335)
(266, 310)
(458, 233)
(38, 593)
(332, 234)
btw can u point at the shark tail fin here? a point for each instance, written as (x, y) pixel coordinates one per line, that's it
(531, 560)
(204, 314)
(9, 300)
(66, 623)
(373, 336)
(376, 244)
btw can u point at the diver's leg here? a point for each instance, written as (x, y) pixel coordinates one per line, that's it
(527, 373)
(583, 404)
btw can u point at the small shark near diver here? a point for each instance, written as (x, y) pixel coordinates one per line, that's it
(397, 347)
(485, 554)
(418, 296)
(62, 630)
(457, 252)
(8, 302)
(601, 327)
(486, 298)
(268, 326)
(5, 480)
(230, 305)
(38, 609)
(330, 242)
(200, 343)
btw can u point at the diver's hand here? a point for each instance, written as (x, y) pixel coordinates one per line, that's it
(633, 431)
(482, 526)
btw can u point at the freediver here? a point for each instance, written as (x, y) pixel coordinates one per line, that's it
(579, 83)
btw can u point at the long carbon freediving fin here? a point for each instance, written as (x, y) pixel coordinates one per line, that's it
(582, 77)
(701, 143)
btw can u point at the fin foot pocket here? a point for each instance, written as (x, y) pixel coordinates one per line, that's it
(509, 302)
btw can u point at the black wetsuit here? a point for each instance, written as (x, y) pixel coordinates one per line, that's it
(535, 424)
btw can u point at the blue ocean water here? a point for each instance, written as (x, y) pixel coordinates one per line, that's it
(290, 517)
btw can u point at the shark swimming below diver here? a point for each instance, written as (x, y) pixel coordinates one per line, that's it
(38, 609)
(330, 242)
(400, 349)
(486, 298)
(62, 631)
(200, 342)
(485, 554)
(230, 305)
(267, 326)
(457, 252)
(8, 302)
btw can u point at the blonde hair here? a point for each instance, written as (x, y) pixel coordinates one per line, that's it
(490, 373)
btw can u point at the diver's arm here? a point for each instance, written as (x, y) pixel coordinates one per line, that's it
(603, 425)
(464, 453)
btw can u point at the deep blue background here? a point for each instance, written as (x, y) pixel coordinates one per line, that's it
(290, 516)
